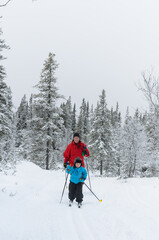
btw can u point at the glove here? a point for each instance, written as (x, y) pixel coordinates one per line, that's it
(84, 151)
(65, 165)
(68, 168)
(82, 180)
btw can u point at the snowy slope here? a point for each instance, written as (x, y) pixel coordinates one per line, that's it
(30, 209)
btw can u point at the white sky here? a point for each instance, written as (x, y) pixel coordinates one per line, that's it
(98, 44)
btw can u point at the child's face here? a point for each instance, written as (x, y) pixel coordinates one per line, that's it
(78, 165)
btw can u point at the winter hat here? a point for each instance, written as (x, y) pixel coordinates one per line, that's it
(76, 135)
(78, 160)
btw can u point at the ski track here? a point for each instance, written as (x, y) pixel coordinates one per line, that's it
(80, 225)
(83, 227)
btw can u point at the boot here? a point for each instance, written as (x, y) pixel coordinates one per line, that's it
(79, 204)
(70, 203)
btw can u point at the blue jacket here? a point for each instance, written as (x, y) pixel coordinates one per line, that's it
(77, 174)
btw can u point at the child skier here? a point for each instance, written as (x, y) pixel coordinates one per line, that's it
(78, 176)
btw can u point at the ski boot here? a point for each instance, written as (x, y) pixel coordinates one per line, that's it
(70, 203)
(79, 204)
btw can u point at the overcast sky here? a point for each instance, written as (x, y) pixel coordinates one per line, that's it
(98, 44)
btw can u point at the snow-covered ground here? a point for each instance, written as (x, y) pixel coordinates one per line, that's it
(30, 208)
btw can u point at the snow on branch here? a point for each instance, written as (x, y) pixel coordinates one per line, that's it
(3, 5)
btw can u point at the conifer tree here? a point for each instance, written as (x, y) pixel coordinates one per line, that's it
(134, 152)
(83, 124)
(116, 140)
(100, 136)
(91, 116)
(48, 125)
(74, 118)
(21, 121)
(68, 121)
(30, 108)
(22, 140)
(6, 113)
(81, 119)
(126, 147)
(87, 124)
(152, 132)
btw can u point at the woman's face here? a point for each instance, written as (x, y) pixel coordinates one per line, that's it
(76, 139)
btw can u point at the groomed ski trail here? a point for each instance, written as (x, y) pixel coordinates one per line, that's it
(30, 207)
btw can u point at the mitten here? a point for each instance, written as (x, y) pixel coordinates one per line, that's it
(82, 180)
(65, 165)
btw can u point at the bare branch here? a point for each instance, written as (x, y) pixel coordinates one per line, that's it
(150, 90)
(5, 3)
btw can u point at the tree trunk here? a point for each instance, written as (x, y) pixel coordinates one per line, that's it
(47, 155)
(101, 167)
(47, 149)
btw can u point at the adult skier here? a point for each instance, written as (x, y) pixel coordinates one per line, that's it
(75, 149)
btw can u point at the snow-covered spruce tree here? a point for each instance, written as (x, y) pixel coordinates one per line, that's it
(94, 159)
(21, 119)
(81, 119)
(47, 125)
(67, 118)
(140, 144)
(30, 108)
(116, 140)
(74, 118)
(91, 116)
(83, 123)
(126, 146)
(31, 133)
(6, 114)
(152, 132)
(134, 153)
(87, 124)
(27, 126)
(100, 137)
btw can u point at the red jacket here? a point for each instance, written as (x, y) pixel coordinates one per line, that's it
(74, 150)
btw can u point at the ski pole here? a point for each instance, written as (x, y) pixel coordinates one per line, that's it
(100, 200)
(65, 178)
(87, 167)
(88, 174)
(64, 188)
(66, 173)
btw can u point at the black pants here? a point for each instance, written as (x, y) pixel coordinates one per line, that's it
(75, 191)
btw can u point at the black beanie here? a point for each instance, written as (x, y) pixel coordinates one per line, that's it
(78, 160)
(76, 135)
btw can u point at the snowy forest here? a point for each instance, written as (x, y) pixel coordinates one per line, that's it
(42, 127)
